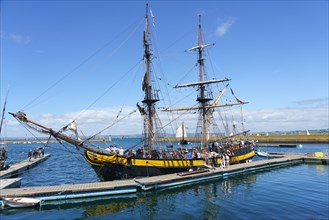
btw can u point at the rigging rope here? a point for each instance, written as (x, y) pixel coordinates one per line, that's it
(85, 61)
(104, 93)
(109, 126)
(67, 150)
(179, 116)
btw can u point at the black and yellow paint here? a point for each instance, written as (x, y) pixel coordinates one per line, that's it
(112, 167)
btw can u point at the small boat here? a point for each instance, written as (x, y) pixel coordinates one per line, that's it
(192, 172)
(20, 202)
(262, 154)
(287, 145)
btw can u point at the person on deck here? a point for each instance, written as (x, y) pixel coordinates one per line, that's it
(35, 153)
(130, 153)
(227, 159)
(29, 155)
(223, 160)
(139, 152)
(194, 155)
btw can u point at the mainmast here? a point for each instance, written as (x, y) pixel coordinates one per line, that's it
(202, 99)
(204, 96)
(151, 97)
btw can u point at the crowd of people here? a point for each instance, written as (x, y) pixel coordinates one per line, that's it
(216, 155)
(3, 153)
(215, 152)
(38, 152)
(3, 157)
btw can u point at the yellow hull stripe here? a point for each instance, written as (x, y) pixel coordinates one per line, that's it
(242, 157)
(99, 160)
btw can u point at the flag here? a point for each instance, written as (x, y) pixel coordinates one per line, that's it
(153, 18)
(238, 100)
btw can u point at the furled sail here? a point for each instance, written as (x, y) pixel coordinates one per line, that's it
(72, 127)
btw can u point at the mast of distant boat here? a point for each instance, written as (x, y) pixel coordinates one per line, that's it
(183, 131)
(3, 114)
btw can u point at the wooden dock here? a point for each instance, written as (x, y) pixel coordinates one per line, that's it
(126, 188)
(174, 180)
(73, 191)
(10, 183)
(22, 166)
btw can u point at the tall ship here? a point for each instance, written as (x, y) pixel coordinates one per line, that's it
(112, 164)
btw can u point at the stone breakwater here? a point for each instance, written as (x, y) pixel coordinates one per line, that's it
(286, 139)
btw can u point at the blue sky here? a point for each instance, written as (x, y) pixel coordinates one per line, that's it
(60, 57)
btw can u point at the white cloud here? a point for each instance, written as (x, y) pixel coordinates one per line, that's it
(92, 121)
(224, 26)
(286, 119)
(88, 121)
(17, 38)
(20, 39)
(313, 102)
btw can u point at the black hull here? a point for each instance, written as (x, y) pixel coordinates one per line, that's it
(183, 142)
(114, 167)
(111, 171)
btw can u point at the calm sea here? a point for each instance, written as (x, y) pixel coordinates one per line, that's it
(294, 192)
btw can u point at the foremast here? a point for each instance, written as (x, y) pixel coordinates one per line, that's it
(150, 95)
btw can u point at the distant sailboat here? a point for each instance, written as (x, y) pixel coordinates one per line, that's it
(307, 133)
(181, 133)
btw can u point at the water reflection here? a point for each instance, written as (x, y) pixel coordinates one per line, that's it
(217, 199)
(226, 187)
(110, 207)
(321, 170)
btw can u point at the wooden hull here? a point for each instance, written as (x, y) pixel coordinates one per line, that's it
(115, 167)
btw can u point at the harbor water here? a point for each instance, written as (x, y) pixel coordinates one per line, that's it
(293, 192)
